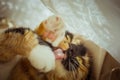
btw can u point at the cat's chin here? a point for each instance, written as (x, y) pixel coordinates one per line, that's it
(60, 71)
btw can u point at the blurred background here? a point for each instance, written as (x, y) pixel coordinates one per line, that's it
(97, 20)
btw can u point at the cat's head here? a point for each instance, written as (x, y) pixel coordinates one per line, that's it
(74, 63)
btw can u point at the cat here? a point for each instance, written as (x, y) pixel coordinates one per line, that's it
(74, 65)
(14, 42)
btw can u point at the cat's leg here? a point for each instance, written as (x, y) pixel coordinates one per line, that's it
(16, 41)
(23, 71)
(6, 56)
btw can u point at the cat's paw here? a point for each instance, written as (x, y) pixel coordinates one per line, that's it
(42, 58)
(52, 30)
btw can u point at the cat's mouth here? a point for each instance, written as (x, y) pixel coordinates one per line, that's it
(59, 54)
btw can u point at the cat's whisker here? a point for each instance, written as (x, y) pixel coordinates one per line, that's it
(72, 68)
(77, 64)
(69, 64)
(73, 72)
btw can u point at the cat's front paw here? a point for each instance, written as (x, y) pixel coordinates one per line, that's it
(42, 58)
(52, 30)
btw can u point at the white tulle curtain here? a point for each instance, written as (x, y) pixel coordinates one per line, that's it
(98, 20)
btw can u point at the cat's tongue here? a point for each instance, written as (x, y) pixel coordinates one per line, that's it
(59, 54)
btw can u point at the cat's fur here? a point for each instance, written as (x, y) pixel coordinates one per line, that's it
(74, 67)
(14, 41)
(23, 41)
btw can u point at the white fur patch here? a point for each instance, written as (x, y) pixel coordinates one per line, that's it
(42, 58)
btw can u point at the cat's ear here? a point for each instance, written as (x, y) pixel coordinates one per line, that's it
(69, 35)
(64, 44)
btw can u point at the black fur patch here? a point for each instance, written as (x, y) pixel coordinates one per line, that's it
(69, 34)
(43, 42)
(20, 30)
(77, 50)
(82, 50)
(71, 63)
